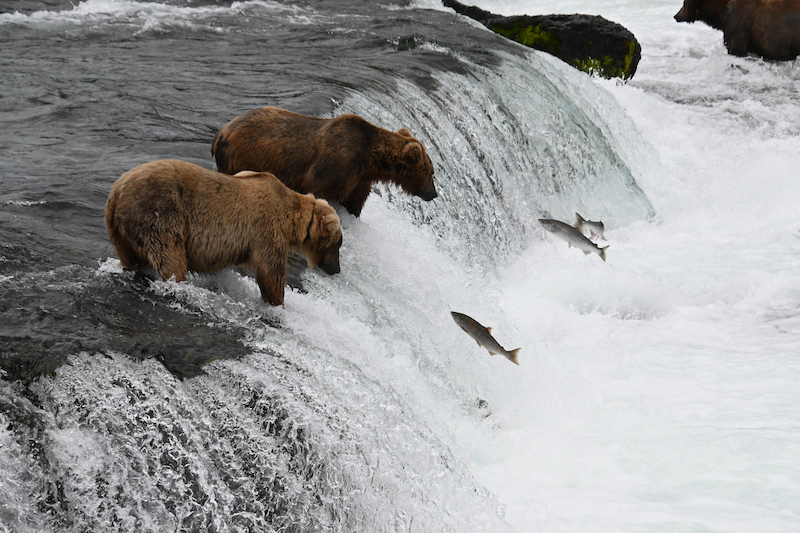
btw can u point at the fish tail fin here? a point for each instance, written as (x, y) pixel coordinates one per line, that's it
(603, 253)
(513, 357)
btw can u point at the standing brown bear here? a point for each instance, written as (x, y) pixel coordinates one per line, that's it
(178, 217)
(337, 159)
(768, 28)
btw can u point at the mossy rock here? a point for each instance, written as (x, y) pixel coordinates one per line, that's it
(532, 36)
(589, 43)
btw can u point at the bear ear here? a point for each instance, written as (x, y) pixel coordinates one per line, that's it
(413, 152)
(311, 195)
(331, 223)
(404, 132)
(327, 219)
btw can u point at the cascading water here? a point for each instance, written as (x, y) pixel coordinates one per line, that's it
(513, 143)
(360, 406)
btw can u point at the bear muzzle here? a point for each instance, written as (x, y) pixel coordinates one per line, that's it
(330, 264)
(429, 194)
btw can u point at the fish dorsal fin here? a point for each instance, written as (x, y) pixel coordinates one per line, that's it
(489, 330)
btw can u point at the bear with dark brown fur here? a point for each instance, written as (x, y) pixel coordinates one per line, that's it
(768, 28)
(177, 217)
(337, 159)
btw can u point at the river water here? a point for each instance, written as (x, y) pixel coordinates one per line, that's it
(655, 392)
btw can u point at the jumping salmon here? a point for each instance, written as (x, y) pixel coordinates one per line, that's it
(483, 336)
(572, 236)
(595, 228)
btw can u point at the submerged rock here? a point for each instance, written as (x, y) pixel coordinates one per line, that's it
(589, 43)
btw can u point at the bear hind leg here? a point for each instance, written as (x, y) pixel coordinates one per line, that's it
(173, 264)
(131, 257)
(168, 259)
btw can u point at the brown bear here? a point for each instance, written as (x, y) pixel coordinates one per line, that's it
(337, 158)
(768, 28)
(177, 217)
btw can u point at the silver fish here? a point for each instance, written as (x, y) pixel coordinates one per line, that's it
(572, 236)
(483, 336)
(595, 228)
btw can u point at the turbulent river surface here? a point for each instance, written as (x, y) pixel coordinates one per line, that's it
(128, 404)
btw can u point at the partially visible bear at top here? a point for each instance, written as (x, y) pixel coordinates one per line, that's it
(768, 28)
(337, 159)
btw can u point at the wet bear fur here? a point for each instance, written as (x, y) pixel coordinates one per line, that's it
(768, 28)
(337, 159)
(178, 217)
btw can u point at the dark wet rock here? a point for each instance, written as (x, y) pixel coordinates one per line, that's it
(52, 317)
(589, 43)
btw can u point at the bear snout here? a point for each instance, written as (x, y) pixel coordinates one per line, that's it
(429, 194)
(330, 262)
(330, 267)
(681, 16)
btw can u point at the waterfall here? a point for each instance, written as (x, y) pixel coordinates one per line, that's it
(525, 140)
(360, 405)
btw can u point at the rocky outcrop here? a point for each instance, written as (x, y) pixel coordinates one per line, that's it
(589, 43)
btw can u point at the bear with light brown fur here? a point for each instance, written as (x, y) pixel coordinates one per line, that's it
(178, 217)
(338, 159)
(768, 28)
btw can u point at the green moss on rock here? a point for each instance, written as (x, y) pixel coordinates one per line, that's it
(532, 36)
(608, 66)
(587, 42)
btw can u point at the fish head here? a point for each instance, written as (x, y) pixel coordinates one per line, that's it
(459, 319)
(547, 223)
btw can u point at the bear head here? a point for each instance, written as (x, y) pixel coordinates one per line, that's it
(324, 238)
(416, 173)
(709, 11)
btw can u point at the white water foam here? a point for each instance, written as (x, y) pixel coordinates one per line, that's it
(153, 16)
(655, 392)
(661, 394)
